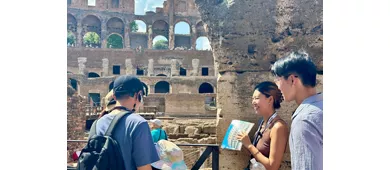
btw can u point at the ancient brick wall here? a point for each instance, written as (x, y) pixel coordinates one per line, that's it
(76, 119)
(178, 84)
(245, 43)
(192, 131)
(119, 56)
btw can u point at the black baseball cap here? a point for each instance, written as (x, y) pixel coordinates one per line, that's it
(127, 84)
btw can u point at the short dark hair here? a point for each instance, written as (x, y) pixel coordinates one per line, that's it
(270, 89)
(299, 63)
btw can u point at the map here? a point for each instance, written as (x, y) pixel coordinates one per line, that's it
(229, 141)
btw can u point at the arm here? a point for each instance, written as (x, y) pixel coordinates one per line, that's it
(279, 135)
(146, 167)
(304, 146)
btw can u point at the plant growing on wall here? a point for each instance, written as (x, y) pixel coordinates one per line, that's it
(70, 38)
(134, 26)
(160, 45)
(91, 38)
(114, 41)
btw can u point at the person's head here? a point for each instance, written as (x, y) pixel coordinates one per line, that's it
(109, 104)
(156, 123)
(126, 90)
(266, 98)
(294, 73)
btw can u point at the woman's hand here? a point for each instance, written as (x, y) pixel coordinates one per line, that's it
(244, 138)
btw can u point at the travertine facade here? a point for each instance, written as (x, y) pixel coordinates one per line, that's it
(246, 38)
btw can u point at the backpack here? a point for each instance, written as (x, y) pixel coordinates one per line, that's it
(102, 152)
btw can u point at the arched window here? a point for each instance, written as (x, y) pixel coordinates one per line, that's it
(206, 88)
(93, 75)
(161, 87)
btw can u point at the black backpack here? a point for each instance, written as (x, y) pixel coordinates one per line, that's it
(102, 152)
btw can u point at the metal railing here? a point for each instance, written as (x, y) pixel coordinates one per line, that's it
(212, 149)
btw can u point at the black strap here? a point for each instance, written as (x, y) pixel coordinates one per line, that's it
(166, 136)
(159, 136)
(115, 121)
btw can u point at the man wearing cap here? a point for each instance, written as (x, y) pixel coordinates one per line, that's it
(157, 132)
(132, 131)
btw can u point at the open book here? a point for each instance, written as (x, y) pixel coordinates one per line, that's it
(237, 126)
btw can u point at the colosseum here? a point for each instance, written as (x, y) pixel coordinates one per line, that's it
(183, 50)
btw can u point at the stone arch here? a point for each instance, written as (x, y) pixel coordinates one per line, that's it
(91, 23)
(111, 86)
(93, 75)
(141, 25)
(201, 29)
(161, 45)
(161, 87)
(160, 27)
(206, 88)
(182, 28)
(116, 25)
(91, 39)
(162, 75)
(202, 43)
(71, 23)
(115, 40)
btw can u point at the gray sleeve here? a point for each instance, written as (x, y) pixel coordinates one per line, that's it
(144, 151)
(307, 143)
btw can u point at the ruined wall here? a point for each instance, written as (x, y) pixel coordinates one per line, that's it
(162, 58)
(185, 104)
(191, 131)
(178, 84)
(76, 122)
(245, 43)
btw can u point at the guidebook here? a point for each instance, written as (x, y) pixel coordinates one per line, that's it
(230, 142)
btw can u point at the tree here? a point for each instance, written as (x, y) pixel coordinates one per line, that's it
(114, 41)
(91, 38)
(134, 26)
(160, 45)
(70, 38)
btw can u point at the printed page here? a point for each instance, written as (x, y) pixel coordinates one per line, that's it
(230, 142)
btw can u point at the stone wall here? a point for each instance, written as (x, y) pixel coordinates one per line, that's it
(177, 84)
(95, 58)
(245, 43)
(76, 119)
(192, 131)
(186, 104)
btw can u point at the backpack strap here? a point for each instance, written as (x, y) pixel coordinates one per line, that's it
(166, 136)
(115, 121)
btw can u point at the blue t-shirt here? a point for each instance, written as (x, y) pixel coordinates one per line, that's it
(133, 136)
(158, 134)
